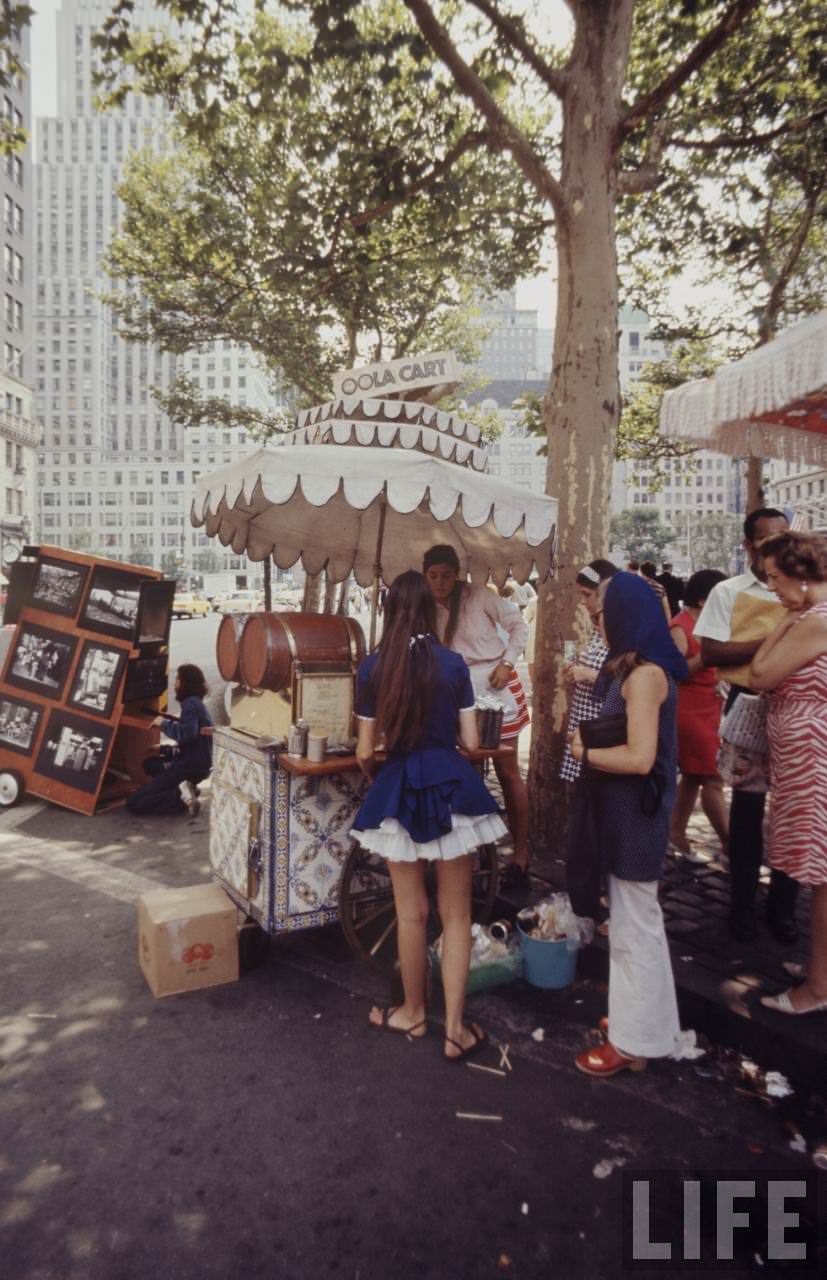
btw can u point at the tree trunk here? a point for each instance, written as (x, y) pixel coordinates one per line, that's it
(329, 605)
(755, 482)
(312, 593)
(582, 406)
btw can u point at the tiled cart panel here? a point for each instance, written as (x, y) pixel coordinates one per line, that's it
(243, 786)
(303, 834)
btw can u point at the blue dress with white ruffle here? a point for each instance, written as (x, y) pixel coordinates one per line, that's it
(430, 802)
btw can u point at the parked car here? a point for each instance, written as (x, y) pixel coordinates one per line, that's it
(239, 602)
(186, 604)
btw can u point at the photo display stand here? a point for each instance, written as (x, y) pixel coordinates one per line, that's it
(84, 677)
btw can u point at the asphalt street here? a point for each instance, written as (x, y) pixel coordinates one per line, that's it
(263, 1128)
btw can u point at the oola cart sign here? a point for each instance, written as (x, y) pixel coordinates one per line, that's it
(396, 377)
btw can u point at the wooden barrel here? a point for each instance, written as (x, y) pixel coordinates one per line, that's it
(272, 642)
(227, 645)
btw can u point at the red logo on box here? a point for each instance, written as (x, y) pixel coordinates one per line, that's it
(198, 951)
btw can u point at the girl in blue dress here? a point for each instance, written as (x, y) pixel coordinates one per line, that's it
(426, 801)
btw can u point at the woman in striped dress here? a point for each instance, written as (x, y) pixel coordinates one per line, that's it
(792, 663)
(491, 634)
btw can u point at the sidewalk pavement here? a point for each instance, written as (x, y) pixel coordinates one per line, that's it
(719, 982)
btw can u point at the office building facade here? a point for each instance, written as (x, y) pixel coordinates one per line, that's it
(18, 429)
(115, 473)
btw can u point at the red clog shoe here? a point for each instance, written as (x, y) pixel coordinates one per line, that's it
(607, 1061)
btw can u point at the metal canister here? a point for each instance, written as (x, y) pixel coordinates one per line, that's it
(297, 740)
(528, 919)
(500, 930)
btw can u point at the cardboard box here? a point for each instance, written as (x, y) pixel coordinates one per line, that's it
(187, 938)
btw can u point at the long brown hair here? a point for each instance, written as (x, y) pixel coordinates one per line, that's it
(445, 554)
(403, 678)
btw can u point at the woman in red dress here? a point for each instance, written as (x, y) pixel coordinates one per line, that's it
(699, 714)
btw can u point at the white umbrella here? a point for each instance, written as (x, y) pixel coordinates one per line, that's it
(772, 403)
(323, 507)
(406, 478)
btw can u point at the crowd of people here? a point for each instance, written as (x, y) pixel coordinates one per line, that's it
(662, 661)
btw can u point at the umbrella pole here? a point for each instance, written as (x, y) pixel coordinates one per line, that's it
(377, 574)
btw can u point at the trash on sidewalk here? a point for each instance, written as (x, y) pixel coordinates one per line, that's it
(187, 938)
(777, 1085)
(604, 1168)
(550, 937)
(492, 1071)
(494, 960)
(687, 1047)
(538, 1034)
(504, 1059)
(473, 1115)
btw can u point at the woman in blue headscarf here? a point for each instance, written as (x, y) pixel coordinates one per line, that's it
(633, 789)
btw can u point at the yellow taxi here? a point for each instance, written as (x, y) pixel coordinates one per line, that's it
(186, 604)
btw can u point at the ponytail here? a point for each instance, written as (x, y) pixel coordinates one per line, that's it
(403, 678)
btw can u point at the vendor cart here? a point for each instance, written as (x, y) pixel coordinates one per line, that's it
(362, 487)
(280, 844)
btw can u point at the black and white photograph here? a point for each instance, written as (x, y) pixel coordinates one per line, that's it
(19, 723)
(97, 678)
(74, 751)
(112, 604)
(41, 660)
(58, 586)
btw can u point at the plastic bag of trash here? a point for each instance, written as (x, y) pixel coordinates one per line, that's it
(494, 960)
(553, 920)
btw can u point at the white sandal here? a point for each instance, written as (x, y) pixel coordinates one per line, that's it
(783, 1004)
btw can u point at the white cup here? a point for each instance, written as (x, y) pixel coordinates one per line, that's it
(316, 747)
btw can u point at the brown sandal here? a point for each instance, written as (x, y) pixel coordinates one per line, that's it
(607, 1061)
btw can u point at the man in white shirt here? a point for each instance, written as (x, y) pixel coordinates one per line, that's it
(749, 592)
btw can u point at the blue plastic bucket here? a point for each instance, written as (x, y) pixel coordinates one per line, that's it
(548, 964)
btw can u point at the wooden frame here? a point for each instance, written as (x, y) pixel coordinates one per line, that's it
(84, 757)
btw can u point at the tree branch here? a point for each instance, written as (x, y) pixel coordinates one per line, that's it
(468, 142)
(503, 131)
(650, 103)
(647, 176)
(733, 141)
(769, 317)
(512, 32)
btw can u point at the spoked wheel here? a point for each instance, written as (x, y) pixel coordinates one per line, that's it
(11, 788)
(367, 911)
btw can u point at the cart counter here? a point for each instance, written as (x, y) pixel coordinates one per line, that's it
(280, 829)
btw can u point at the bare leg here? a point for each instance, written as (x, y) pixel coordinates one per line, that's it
(515, 795)
(688, 787)
(814, 988)
(715, 808)
(454, 897)
(411, 900)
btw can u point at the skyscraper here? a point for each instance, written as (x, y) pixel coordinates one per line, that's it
(116, 474)
(18, 431)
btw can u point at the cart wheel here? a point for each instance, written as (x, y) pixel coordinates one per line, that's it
(11, 788)
(366, 907)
